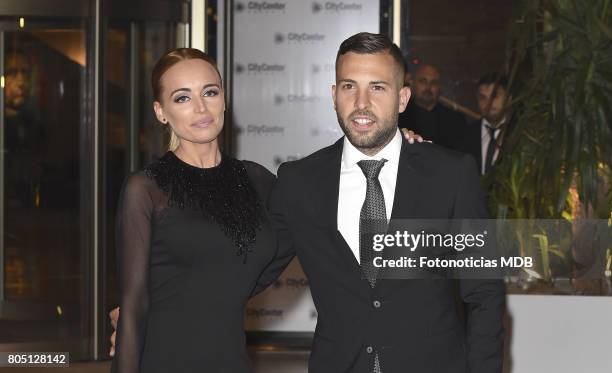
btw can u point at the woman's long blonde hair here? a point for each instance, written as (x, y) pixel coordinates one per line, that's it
(165, 62)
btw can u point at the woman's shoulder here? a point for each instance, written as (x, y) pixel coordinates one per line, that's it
(138, 183)
(257, 171)
(259, 176)
(149, 177)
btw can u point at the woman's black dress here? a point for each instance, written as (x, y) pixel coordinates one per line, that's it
(192, 243)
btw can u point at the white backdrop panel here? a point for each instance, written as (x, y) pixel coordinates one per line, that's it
(284, 53)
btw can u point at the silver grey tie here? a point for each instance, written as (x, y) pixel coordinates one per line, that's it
(372, 220)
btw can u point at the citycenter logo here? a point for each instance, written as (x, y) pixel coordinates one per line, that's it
(260, 6)
(295, 99)
(264, 129)
(297, 283)
(316, 68)
(258, 68)
(291, 282)
(335, 6)
(298, 37)
(278, 159)
(263, 312)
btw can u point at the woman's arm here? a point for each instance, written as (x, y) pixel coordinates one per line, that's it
(133, 246)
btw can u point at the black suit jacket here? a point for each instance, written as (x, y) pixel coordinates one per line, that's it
(471, 140)
(441, 125)
(416, 326)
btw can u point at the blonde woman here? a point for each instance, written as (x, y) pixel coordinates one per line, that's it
(193, 235)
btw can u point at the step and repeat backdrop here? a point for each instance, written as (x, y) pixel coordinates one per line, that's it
(284, 53)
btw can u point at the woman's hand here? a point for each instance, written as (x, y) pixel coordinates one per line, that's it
(114, 316)
(411, 136)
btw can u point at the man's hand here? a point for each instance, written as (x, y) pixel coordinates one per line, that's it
(411, 136)
(114, 316)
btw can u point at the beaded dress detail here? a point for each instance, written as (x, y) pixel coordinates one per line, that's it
(222, 193)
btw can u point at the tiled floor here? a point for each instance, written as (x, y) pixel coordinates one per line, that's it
(264, 362)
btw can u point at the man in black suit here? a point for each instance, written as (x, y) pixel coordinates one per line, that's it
(321, 204)
(425, 114)
(483, 139)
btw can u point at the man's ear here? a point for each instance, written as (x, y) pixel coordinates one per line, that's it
(404, 97)
(334, 95)
(159, 112)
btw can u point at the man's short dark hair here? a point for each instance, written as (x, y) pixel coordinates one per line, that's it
(494, 78)
(368, 43)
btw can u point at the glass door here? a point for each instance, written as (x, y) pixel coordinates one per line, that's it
(44, 118)
(75, 119)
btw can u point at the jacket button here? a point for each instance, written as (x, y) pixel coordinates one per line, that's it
(369, 349)
(376, 304)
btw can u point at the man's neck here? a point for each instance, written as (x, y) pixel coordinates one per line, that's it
(495, 124)
(428, 107)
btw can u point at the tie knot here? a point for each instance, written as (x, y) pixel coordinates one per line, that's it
(371, 168)
(492, 130)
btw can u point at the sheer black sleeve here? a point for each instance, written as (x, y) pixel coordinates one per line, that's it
(133, 245)
(261, 179)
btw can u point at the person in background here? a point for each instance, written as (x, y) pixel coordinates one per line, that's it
(425, 114)
(483, 139)
(24, 133)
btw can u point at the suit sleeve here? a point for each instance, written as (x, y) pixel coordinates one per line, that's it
(278, 207)
(484, 299)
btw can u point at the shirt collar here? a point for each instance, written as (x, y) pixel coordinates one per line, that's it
(486, 123)
(391, 152)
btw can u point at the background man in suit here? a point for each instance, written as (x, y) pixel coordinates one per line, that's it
(483, 139)
(425, 114)
(323, 203)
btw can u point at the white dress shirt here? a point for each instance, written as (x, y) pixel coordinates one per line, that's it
(485, 138)
(353, 187)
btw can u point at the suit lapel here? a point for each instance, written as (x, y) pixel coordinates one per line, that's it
(408, 186)
(478, 145)
(328, 185)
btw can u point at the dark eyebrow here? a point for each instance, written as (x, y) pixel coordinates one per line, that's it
(371, 83)
(189, 90)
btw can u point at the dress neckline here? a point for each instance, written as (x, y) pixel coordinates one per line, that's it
(172, 156)
(223, 194)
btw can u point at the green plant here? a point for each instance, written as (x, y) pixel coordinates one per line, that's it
(560, 70)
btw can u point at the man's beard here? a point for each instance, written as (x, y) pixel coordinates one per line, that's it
(495, 119)
(369, 143)
(426, 99)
